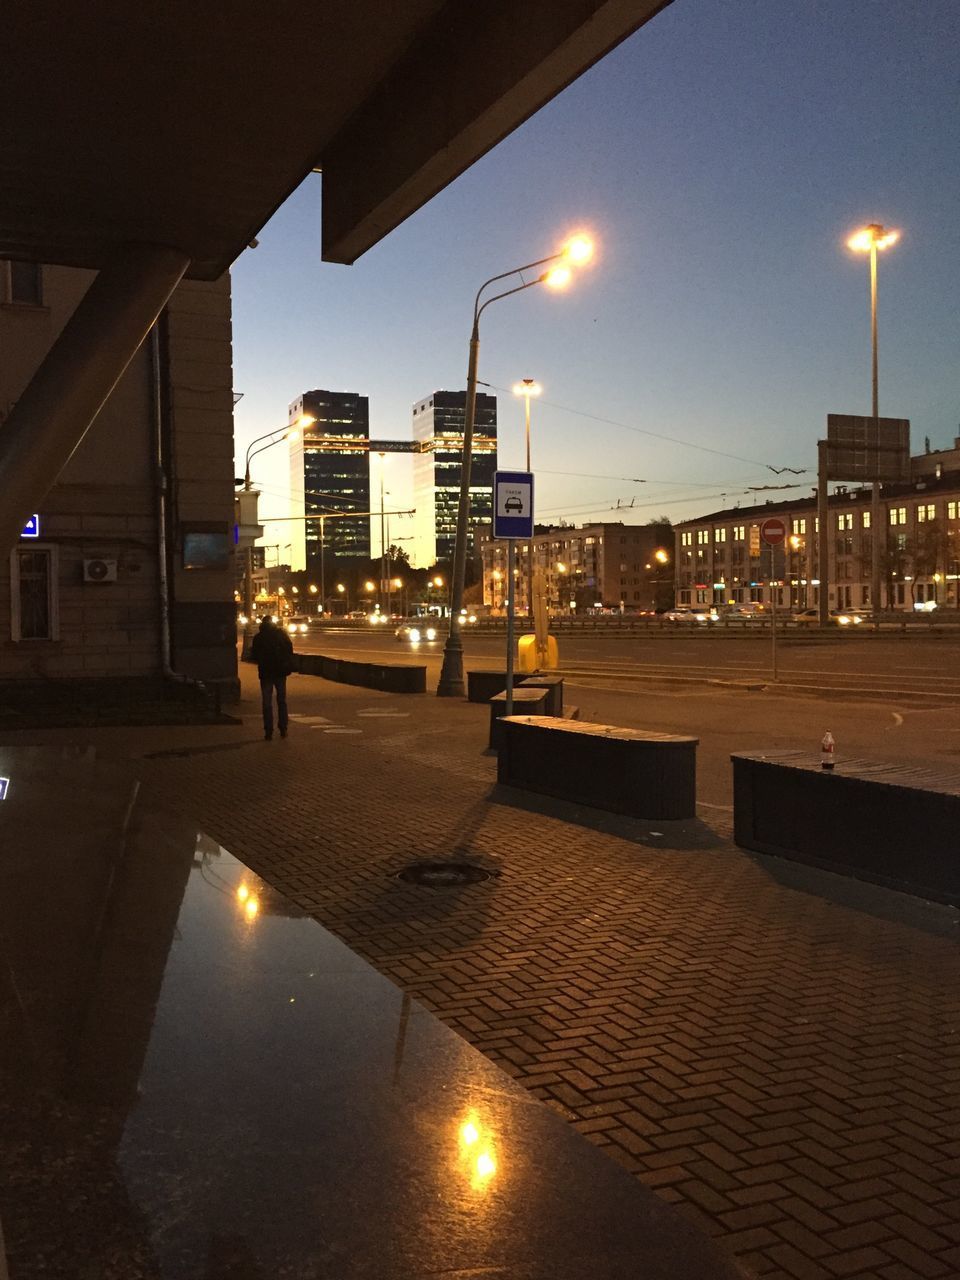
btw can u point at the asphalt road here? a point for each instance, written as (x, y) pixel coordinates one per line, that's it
(894, 697)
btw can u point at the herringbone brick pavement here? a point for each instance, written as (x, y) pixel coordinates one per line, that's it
(777, 1050)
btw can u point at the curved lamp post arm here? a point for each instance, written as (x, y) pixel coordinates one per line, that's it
(504, 275)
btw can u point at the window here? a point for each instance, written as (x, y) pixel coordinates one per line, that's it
(845, 520)
(952, 510)
(703, 536)
(34, 614)
(926, 511)
(739, 532)
(719, 535)
(800, 526)
(686, 539)
(865, 519)
(25, 284)
(898, 515)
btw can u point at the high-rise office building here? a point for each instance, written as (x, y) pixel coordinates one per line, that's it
(330, 473)
(438, 442)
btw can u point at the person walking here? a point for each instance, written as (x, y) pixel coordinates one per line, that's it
(272, 651)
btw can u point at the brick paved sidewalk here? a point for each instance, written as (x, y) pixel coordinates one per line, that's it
(774, 1048)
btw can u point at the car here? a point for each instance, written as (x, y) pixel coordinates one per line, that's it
(691, 615)
(357, 615)
(418, 630)
(299, 624)
(839, 617)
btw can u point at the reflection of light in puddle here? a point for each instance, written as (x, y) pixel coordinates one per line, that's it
(478, 1160)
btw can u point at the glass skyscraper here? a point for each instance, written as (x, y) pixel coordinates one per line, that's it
(330, 472)
(438, 439)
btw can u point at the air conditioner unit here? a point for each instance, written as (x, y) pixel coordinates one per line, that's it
(99, 570)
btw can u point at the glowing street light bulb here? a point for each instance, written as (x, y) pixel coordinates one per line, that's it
(578, 249)
(251, 907)
(527, 388)
(557, 277)
(661, 556)
(305, 420)
(873, 236)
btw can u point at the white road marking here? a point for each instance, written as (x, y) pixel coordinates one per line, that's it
(340, 730)
(384, 715)
(311, 720)
(897, 718)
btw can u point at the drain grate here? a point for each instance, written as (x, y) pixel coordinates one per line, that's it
(443, 875)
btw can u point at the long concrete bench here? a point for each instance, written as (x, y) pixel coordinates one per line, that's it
(527, 701)
(369, 675)
(644, 775)
(897, 825)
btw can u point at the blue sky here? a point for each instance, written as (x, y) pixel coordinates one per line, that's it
(721, 156)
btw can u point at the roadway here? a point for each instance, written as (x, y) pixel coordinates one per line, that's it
(888, 696)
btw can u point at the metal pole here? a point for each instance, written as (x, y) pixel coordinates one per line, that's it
(530, 543)
(323, 579)
(511, 602)
(774, 592)
(823, 534)
(876, 523)
(451, 674)
(383, 540)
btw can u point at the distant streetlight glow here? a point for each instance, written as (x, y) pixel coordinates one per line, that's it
(578, 249)
(557, 277)
(661, 556)
(872, 237)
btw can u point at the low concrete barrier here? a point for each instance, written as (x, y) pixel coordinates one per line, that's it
(484, 685)
(369, 675)
(529, 701)
(892, 824)
(554, 687)
(644, 775)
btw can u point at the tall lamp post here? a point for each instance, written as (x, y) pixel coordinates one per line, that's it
(527, 388)
(577, 250)
(281, 434)
(870, 239)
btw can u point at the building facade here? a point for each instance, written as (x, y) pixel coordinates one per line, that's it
(719, 558)
(438, 422)
(598, 566)
(330, 474)
(127, 571)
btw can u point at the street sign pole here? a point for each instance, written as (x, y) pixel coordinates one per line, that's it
(511, 603)
(773, 615)
(512, 519)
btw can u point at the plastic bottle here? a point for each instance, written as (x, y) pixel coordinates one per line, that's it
(828, 750)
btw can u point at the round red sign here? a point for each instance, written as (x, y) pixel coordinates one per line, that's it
(773, 531)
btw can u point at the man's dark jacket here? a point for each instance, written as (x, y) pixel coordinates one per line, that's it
(272, 651)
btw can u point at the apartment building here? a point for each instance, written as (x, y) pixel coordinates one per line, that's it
(596, 566)
(720, 559)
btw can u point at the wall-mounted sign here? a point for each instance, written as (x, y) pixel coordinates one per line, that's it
(32, 528)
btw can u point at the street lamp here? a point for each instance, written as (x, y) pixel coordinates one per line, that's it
(288, 433)
(556, 275)
(527, 388)
(870, 239)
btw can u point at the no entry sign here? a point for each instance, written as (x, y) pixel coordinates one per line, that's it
(773, 531)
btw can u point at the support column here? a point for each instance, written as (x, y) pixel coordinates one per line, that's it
(80, 370)
(823, 533)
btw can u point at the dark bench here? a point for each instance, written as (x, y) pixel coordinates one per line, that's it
(527, 701)
(645, 775)
(484, 685)
(369, 675)
(554, 687)
(897, 825)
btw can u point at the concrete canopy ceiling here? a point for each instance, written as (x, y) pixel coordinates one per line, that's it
(183, 123)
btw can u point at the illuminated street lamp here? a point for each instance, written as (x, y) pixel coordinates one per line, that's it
(527, 388)
(557, 274)
(870, 239)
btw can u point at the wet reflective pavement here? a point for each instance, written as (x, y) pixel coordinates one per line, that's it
(200, 1081)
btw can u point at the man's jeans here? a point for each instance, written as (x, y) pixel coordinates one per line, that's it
(266, 691)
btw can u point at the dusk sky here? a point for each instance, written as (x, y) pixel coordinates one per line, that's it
(721, 156)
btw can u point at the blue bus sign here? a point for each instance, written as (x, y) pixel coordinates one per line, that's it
(32, 528)
(513, 504)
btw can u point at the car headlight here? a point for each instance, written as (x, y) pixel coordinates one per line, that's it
(431, 634)
(414, 634)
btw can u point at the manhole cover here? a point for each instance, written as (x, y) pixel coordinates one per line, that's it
(441, 875)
